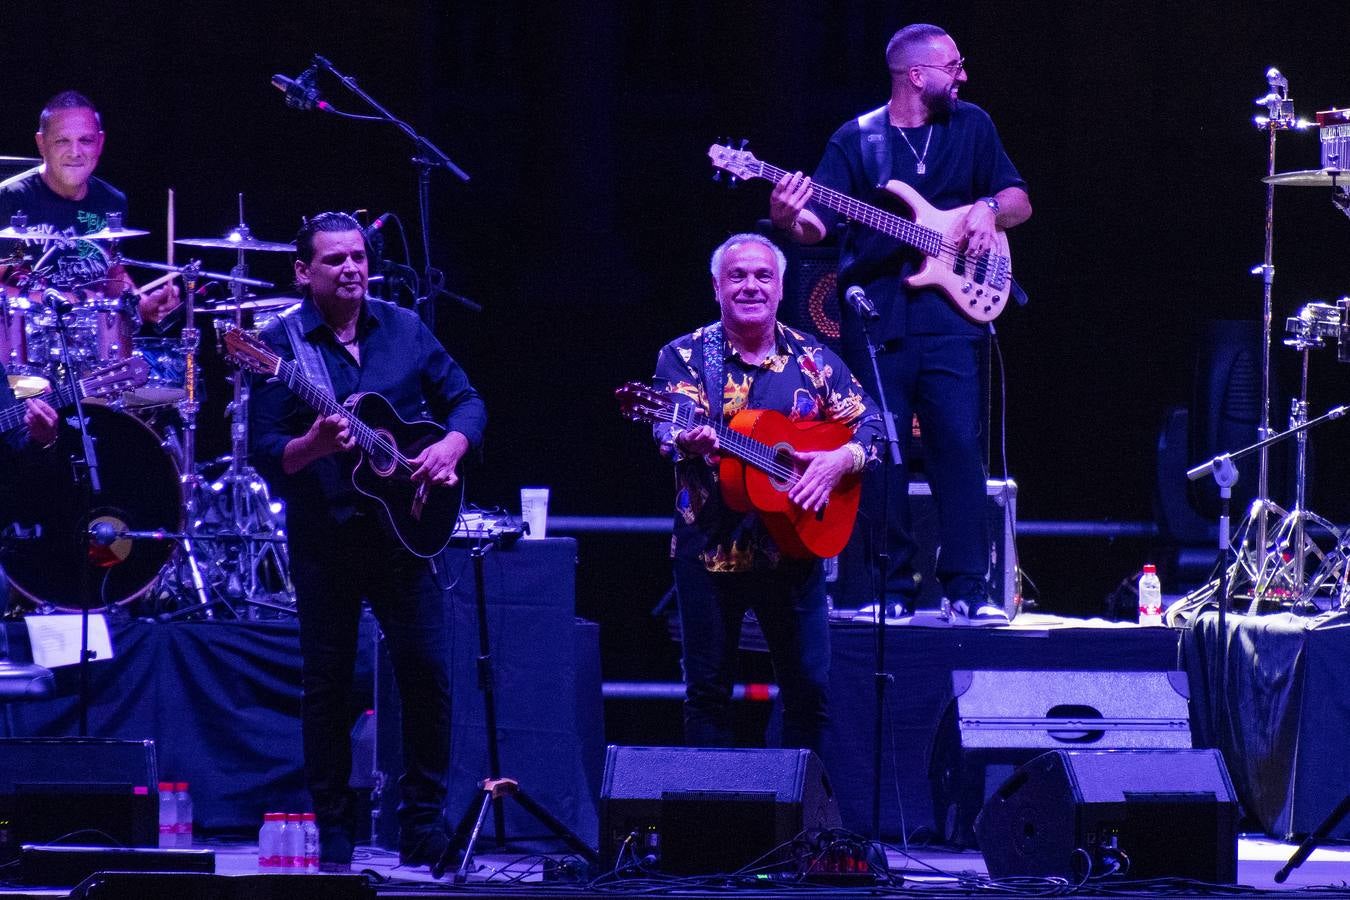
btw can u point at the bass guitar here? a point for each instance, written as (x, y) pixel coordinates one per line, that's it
(757, 470)
(977, 287)
(421, 516)
(106, 382)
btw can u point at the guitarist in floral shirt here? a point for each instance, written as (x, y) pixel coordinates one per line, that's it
(726, 561)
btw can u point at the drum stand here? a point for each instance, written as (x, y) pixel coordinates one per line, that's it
(256, 557)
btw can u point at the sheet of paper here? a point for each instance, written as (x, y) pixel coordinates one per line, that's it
(56, 639)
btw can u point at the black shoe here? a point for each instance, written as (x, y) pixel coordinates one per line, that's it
(423, 847)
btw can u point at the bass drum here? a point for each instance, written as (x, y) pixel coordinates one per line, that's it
(43, 510)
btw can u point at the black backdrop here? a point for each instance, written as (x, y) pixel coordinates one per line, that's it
(587, 225)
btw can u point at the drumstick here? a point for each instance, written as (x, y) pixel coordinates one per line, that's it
(168, 253)
(150, 286)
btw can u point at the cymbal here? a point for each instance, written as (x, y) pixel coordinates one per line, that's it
(25, 386)
(254, 305)
(1311, 178)
(42, 233)
(110, 234)
(18, 162)
(30, 233)
(236, 240)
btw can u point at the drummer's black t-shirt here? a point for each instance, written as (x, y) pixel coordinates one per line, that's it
(27, 193)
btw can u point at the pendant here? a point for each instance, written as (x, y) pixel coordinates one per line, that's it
(920, 169)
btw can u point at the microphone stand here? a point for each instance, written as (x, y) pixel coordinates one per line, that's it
(427, 156)
(880, 677)
(85, 467)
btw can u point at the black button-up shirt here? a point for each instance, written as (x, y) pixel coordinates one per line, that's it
(400, 359)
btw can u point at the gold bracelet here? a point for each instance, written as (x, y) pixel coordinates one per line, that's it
(859, 456)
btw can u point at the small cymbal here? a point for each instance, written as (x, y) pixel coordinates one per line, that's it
(1311, 178)
(25, 386)
(254, 305)
(110, 234)
(237, 240)
(30, 233)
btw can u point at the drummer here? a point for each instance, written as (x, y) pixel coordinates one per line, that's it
(63, 195)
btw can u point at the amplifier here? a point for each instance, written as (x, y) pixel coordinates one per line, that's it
(1001, 513)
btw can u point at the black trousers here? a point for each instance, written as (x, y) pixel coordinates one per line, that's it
(333, 572)
(936, 377)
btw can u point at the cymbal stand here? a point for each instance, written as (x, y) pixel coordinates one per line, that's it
(245, 563)
(1284, 566)
(1279, 117)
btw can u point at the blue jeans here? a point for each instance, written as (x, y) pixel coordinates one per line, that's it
(789, 602)
(333, 573)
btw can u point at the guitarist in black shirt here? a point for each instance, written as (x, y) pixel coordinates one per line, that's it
(343, 549)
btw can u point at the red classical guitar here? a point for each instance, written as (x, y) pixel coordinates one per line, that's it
(756, 469)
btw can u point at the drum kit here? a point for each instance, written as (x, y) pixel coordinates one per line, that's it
(1278, 562)
(163, 532)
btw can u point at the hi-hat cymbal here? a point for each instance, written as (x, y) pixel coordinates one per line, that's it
(236, 240)
(254, 305)
(1311, 178)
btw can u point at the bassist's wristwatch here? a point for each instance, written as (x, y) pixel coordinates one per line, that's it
(991, 202)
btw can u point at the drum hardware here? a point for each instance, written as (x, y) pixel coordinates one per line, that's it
(1260, 560)
(234, 516)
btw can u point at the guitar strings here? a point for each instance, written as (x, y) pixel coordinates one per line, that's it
(753, 450)
(364, 434)
(928, 240)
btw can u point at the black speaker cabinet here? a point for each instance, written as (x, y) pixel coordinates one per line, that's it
(1146, 813)
(703, 811)
(79, 791)
(1000, 719)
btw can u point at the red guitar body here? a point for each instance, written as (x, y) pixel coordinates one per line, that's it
(798, 533)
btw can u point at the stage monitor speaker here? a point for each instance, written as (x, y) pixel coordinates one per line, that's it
(686, 810)
(1142, 813)
(1000, 719)
(77, 791)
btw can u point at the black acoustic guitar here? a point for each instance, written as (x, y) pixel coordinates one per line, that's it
(421, 516)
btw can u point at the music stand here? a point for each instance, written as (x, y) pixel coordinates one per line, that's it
(495, 789)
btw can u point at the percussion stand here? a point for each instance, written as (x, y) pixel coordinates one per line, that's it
(187, 408)
(250, 516)
(1279, 117)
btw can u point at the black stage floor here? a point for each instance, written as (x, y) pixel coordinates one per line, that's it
(926, 871)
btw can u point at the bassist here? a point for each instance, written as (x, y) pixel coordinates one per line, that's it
(340, 550)
(725, 561)
(948, 150)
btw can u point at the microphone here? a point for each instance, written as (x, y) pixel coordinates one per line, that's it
(373, 229)
(861, 305)
(103, 533)
(58, 301)
(300, 92)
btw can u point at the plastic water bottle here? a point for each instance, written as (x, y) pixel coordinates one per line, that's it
(1150, 597)
(168, 815)
(311, 832)
(269, 845)
(293, 845)
(183, 826)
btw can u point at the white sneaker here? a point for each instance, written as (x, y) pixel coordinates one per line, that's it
(986, 613)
